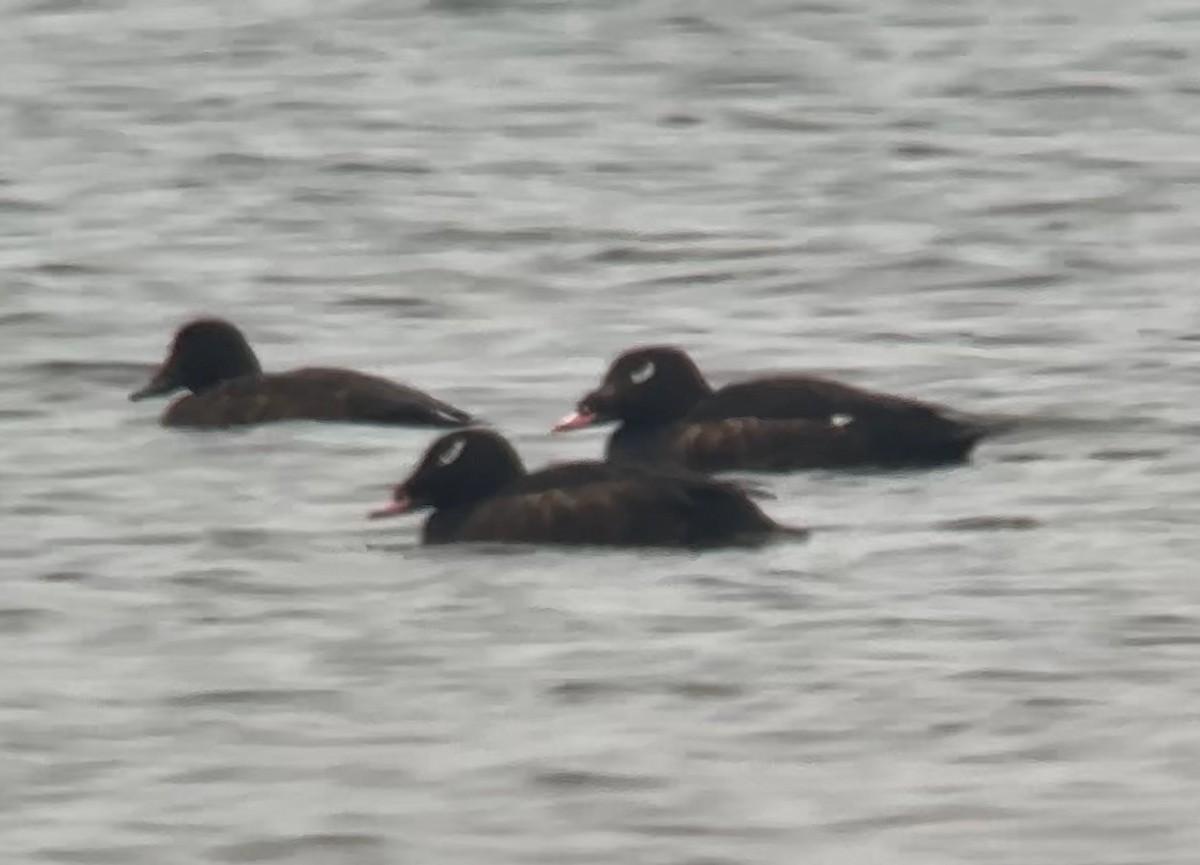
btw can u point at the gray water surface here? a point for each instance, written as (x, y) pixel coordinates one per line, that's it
(210, 656)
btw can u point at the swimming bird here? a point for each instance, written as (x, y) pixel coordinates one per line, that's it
(479, 490)
(211, 358)
(668, 414)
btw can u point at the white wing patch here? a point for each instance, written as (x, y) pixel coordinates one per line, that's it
(452, 452)
(643, 373)
(841, 420)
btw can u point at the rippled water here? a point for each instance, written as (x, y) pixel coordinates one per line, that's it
(211, 657)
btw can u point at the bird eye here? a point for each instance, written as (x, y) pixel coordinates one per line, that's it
(452, 452)
(643, 373)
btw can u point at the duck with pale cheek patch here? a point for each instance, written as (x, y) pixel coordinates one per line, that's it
(667, 414)
(212, 359)
(479, 491)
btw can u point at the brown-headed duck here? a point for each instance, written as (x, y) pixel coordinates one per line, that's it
(211, 358)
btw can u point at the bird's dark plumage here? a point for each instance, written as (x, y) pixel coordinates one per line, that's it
(212, 359)
(479, 491)
(669, 414)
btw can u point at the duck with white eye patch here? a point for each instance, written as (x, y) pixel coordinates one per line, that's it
(212, 359)
(479, 491)
(668, 414)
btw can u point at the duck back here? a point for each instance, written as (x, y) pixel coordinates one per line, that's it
(767, 445)
(313, 393)
(603, 504)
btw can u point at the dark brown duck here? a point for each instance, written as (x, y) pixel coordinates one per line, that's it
(212, 359)
(479, 491)
(668, 414)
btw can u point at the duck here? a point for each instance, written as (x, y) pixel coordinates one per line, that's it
(479, 491)
(668, 414)
(212, 360)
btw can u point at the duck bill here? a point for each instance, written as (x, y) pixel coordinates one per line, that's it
(397, 506)
(575, 420)
(161, 384)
